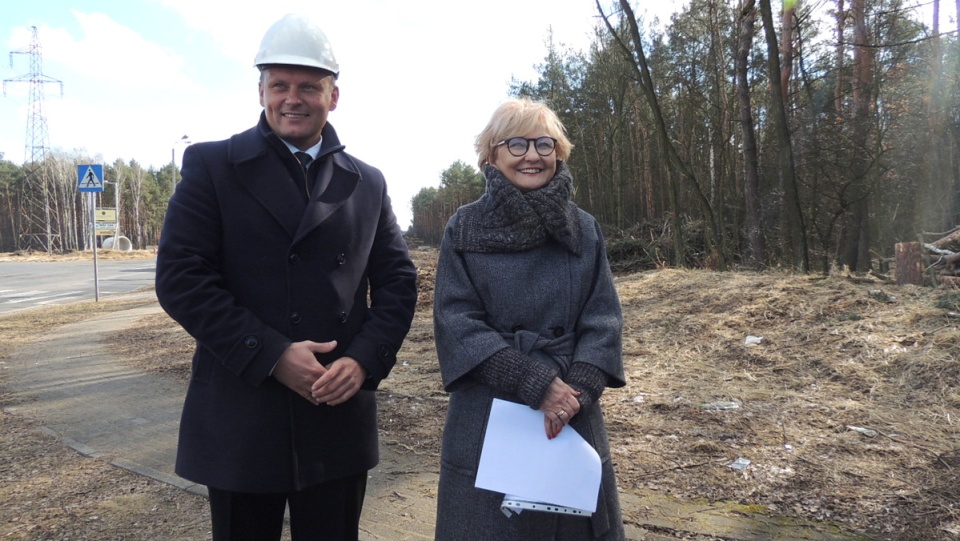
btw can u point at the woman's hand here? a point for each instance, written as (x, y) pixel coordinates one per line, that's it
(559, 405)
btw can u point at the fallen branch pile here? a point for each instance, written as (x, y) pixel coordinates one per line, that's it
(941, 261)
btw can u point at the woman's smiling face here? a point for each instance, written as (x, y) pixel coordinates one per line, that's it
(531, 170)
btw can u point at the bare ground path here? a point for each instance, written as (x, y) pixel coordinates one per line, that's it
(109, 410)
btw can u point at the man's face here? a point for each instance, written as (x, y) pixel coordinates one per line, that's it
(296, 101)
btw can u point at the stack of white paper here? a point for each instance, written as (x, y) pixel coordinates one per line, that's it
(561, 475)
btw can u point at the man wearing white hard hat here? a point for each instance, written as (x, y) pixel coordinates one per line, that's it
(282, 257)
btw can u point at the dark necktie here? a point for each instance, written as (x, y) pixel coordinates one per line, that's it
(304, 158)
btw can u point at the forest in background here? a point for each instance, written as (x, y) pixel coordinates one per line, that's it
(142, 202)
(807, 134)
(813, 137)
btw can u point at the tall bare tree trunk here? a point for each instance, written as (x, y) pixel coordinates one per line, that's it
(757, 255)
(934, 201)
(120, 175)
(136, 202)
(857, 243)
(722, 167)
(794, 230)
(650, 207)
(955, 152)
(786, 49)
(935, 116)
(840, 57)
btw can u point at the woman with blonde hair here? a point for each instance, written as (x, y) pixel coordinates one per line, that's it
(525, 310)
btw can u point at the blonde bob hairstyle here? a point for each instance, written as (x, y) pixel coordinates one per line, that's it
(517, 117)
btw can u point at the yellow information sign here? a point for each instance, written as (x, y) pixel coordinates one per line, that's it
(105, 215)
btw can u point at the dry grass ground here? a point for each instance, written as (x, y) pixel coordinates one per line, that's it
(846, 408)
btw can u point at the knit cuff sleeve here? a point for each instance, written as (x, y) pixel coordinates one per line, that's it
(587, 379)
(511, 371)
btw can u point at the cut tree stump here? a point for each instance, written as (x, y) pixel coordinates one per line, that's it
(909, 258)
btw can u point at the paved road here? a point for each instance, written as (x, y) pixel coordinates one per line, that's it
(28, 284)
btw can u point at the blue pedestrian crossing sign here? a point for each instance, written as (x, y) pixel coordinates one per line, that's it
(90, 178)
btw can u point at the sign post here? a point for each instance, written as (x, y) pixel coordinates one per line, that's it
(90, 179)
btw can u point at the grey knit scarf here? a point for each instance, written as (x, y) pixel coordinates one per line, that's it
(506, 219)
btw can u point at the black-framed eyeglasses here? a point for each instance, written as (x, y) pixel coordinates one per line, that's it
(518, 146)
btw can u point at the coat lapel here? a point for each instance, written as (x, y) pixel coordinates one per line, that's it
(272, 190)
(262, 172)
(336, 181)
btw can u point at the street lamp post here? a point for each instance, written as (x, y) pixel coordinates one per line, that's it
(116, 206)
(173, 161)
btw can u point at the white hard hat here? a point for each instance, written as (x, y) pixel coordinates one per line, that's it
(295, 41)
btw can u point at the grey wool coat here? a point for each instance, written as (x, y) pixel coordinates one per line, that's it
(553, 305)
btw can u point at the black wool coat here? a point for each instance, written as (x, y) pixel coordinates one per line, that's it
(247, 265)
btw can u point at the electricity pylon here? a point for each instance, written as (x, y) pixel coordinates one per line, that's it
(35, 227)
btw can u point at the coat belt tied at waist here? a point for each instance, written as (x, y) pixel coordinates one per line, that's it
(558, 349)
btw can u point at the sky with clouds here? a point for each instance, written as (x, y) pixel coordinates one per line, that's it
(418, 79)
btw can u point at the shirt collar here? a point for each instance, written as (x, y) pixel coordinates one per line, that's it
(312, 151)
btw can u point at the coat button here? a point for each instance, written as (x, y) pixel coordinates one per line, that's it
(384, 350)
(341, 258)
(557, 332)
(343, 317)
(251, 342)
(295, 318)
(294, 259)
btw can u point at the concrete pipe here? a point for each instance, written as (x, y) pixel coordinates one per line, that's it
(117, 243)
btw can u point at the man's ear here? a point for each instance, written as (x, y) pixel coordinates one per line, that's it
(334, 97)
